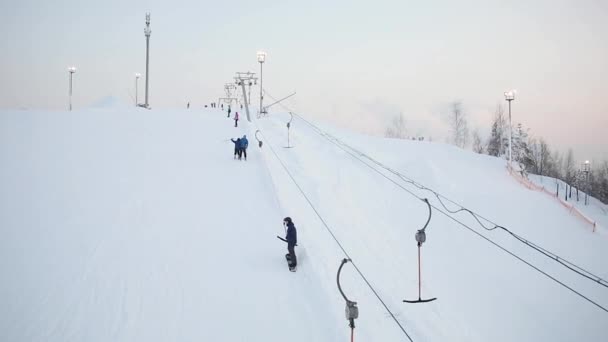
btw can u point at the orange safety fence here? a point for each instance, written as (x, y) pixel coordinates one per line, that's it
(525, 182)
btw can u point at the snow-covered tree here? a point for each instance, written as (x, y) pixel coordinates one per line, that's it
(478, 146)
(457, 121)
(569, 168)
(521, 148)
(397, 128)
(498, 134)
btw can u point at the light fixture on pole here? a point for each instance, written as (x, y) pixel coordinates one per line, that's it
(137, 76)
(261, 59)
(510, 96)
(586, 168)
(147, 32)
(71, 70)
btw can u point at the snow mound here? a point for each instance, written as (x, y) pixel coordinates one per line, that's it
(109, 102)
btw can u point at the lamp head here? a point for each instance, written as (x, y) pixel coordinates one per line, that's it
(261, 56)
(510, 95)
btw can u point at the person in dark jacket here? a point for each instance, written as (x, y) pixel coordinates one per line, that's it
(237, 147)
(229, 110)
(292, 240)
(244, 145)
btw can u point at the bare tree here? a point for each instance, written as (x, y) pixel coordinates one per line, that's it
(569, 168)
(459, 130)
(545, 158)
(397, 128)
(478, 146)
(499, 133)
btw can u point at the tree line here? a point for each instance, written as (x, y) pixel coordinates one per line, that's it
(533, 154)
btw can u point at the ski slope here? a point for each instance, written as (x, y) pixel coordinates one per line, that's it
(127, 224)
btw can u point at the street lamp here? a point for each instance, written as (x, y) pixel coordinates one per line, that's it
(510, 96)
(147, 33)
(71, 70)
(137, 76)
(586, 168)
(261, 60)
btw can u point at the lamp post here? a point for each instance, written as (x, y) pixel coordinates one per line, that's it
(510, 96)
(261, 60)
(71, 70)
(586, 168)
(137, 76)
(147, 32)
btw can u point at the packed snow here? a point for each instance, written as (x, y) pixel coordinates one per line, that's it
(131, 224)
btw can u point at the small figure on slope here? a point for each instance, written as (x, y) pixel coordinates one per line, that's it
(229, 110)
(236, 119)
(237, 147)
(292, 240)
(244, 145)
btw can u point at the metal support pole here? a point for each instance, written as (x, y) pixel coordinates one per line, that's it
(587, 190)
(510, 136)
(71, 90)
(147, 32)
(136, 82)
(245, 100)
(261, 87)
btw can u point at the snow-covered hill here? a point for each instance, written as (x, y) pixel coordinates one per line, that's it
(128, 224)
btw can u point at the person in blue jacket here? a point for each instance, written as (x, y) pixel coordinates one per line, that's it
(244, 145)
(292, 240)
(237, 147)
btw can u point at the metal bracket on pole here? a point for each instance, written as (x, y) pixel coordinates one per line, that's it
(288, 127)
(352, 311)
(276, 102)
(258, 139)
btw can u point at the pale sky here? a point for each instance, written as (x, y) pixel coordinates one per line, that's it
(352, 63)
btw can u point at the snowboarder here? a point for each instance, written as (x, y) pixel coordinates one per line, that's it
(236, 119)
(244, 145)
(237, 147)
(292, 239)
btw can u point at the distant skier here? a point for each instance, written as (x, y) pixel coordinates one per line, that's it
(236, 119)
(229, 110)
(237, 148)
(244, 145)
(222, 106)
(292, 240)
(188, 105)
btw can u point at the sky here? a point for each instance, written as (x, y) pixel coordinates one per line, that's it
(356, 64)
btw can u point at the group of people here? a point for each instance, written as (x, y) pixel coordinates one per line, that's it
(236, 116)
(240, 147)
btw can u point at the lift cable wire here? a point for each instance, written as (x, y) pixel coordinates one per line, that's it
(334, 236)
(560, 260)
(564, 262)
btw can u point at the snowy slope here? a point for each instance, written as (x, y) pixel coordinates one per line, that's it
(594, 210)
(139, 226)
(127, 224)
(484, 293)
